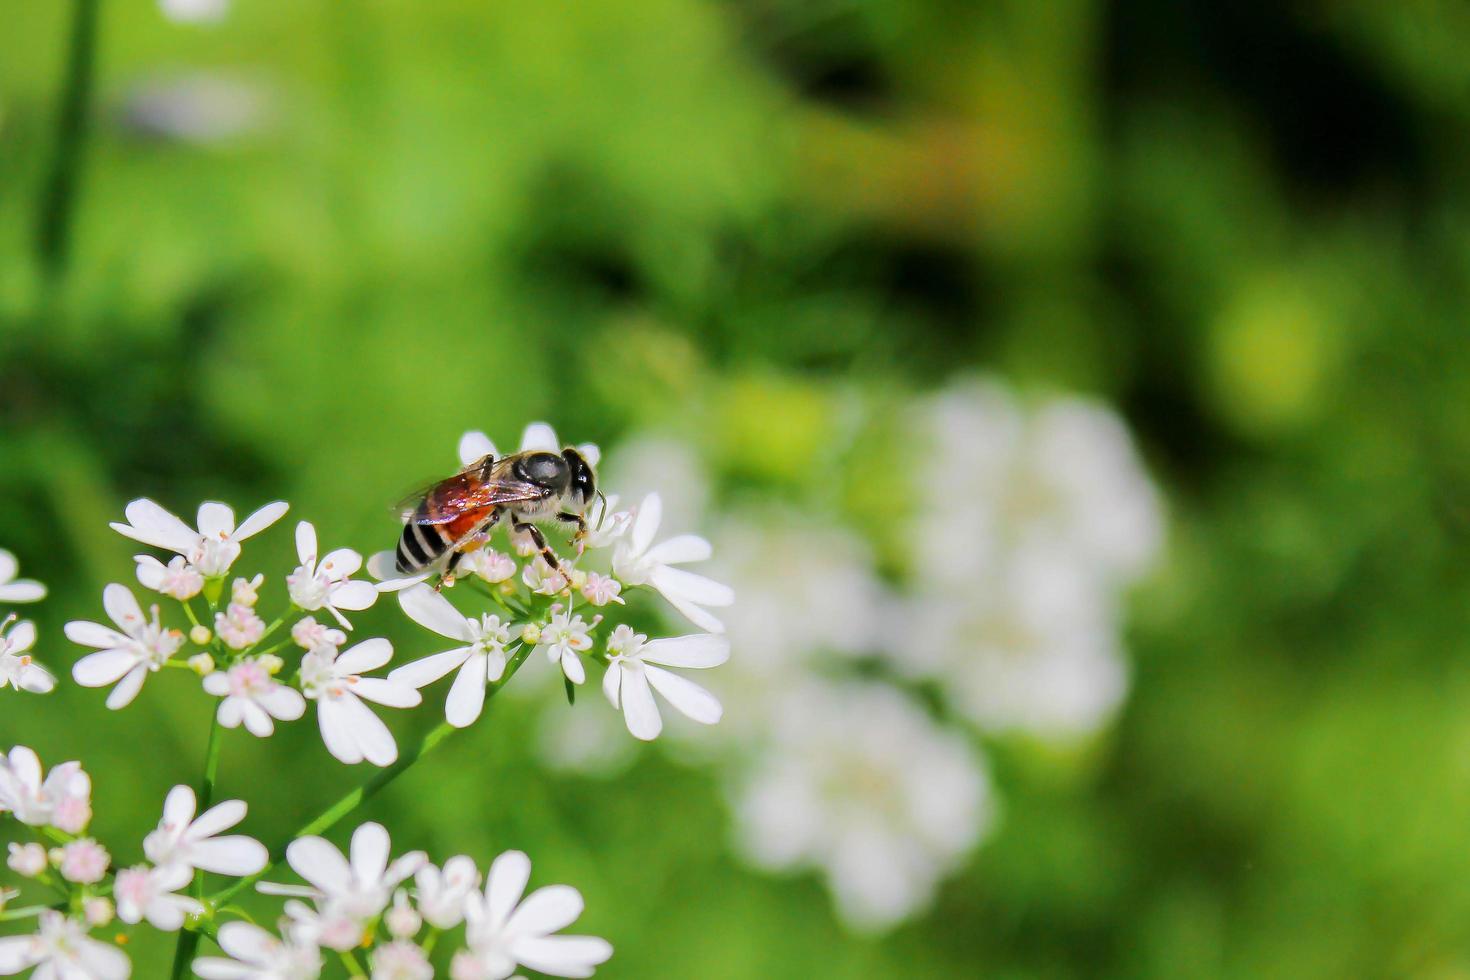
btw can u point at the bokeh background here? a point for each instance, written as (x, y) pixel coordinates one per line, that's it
(807, 266)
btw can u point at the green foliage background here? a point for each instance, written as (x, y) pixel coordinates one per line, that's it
(1243, 224)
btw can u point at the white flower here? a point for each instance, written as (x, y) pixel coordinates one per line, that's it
(127, 657)
(475, 445)
(602, 589)
(182, 840)
(400, 960)
(13, 589)
(84, 861)
(17, 668)
(194, 11)
(480, 661)
(63, 801)
(491, 565)
(177, 580)
(633, 674)
(311, 635)
(441, 894)
(859, 782)
(564, 637)
(503, 931)
(253, 697)
(98, 911)
(62, 950)
(239, 626)
(245, 591)
(258, 955)
(542, 579)
(148, 893)
(401, 921)
(354, 891)
(609, 526)
(351, 731)
(212, 548)
(327, 585)
(26, 860)
(638, 561)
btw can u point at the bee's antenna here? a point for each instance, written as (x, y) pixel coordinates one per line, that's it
(602, 515)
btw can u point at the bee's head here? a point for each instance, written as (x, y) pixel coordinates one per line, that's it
(584, 481)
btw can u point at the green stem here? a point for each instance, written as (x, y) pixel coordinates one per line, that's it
(189, 937)
(53, 229)
(354, 799)
(354, 968)
(27, 912)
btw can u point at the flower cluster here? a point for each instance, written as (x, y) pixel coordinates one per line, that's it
(396, 910)
(538, 608)
(56, 809)
(1017, 539)
(18, 669)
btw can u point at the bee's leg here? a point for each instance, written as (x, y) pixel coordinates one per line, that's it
(539, 540)
(566, 517)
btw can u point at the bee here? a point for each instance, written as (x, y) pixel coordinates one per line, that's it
(456, 514)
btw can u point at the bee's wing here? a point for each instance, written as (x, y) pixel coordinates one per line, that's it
(456, 496)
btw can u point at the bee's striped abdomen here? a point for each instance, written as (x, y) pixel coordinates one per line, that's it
(420, 546)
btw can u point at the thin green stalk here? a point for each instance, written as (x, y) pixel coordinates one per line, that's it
(354, 968)
(58, 201)
(337, 811)
(189, 938)
(28, 911)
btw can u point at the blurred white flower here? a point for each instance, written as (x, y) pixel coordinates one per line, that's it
(26, 860)
(564, 637)
(668, 466)
(400, 960)
(327, 584)
(17, 668)
(239, 626)
(1064, 477)
(194, 11)
(13, 589)
(857, 781)
(480, 661)
(213, 547)
(63, 800)
(182, 840)
(62, 950)
(1035, 651)
(246, 591)
(126, 657)
(350, 892)
(335, 682)
(253, 697)
(635, 671)
(98, 911)
(148, 893)
(83, 861)
(638, 561)
(503, 931)
(258, 955)
(402, 921)
(177, 580)
(441, 894)
(475, 445)
(196, 107)
(602, 589)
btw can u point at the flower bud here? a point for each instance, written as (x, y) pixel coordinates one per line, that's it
(402, 921)
(531, 634)
(201, 664)
(271, 663)
(27, 860)
(98, 912)
(84, 861)
(200, 636)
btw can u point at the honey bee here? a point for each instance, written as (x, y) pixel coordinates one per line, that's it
(454, 515)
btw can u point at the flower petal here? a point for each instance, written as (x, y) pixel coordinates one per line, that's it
(220, 817)
(216, 520)
(380, 690)
(127, 688)
(373, 737)
(369, 849)
(23, 637)
(695, 650)
(8, 566)
(93, 634)
(179, 807)
(122, 606)
(640, 713)
(546, 910)
(539, 435)
(422, 673)
(505, 885)
(306, 543)
(103, 668)
(432, 611)
(22, 590)
(365, 656)
(353, 595)
(151, 524)
(467, 695)
(338, 734)
(319, 862)
(235, 855)
(645, 523)
(680, 549)
(612, 684)
(697, 615)
(260, 520)
(474, 446)
(691, 587)
(684, 695)
(562, 956)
